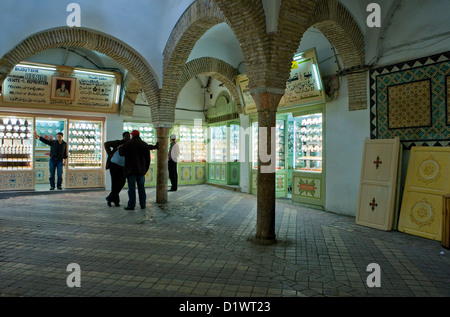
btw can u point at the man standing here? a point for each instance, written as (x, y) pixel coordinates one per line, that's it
(174, 151)
(58, 157)
(137, 163)
(116, 169)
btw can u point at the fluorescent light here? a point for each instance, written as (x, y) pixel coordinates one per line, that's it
(298, 57)
(93, 73)
(118, 94)
(36, 67)
(316, 73)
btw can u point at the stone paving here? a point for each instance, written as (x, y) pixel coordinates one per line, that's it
(200, 245)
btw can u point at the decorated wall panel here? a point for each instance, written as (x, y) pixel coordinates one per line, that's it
(410, 100)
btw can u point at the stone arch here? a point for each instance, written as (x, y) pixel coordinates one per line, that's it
(216, 68)
(81, 37)
(340, 28)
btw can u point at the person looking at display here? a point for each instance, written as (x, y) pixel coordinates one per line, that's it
(58, 157)
(115, 165)
(137, 163)
(174, 152)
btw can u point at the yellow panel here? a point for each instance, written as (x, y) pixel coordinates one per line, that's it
(374, 207)
(377, 166)
(426, 183)
(430, 169)
(421, 215)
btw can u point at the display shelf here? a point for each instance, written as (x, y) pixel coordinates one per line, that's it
(234, 142)
(85, 144)
(308, 144)
(48, 129)
(280, 145)
(16, 143)
(147, 134)
(218, 144)
(191, 140)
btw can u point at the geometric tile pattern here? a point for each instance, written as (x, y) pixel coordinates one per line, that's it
(199, 245)
(409, 105)
(448, 99)
(403, 105)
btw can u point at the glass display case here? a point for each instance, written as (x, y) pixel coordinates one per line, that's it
(234, 142)
(16, 143)
(280, 156)
(192, 143)
(308, 143)
(48, 128)
(198, 144)
(218, 146)
(85, 144)
(223, 165)
(147, 134)
(280, 144)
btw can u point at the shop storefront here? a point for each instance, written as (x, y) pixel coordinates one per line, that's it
(192, 160)
(223, 161)
(223, 165)
(300, 134)
(24, 161)
(32, 94)
(308, 175)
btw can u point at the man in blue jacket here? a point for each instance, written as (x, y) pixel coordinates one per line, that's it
(58, 157)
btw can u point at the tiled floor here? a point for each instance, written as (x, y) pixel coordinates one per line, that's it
(200, 244)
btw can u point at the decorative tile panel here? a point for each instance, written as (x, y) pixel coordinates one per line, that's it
(410, 100)
(85, 179)
(16, 181)
(410, 105)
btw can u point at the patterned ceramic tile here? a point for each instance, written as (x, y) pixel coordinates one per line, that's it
(410, 100)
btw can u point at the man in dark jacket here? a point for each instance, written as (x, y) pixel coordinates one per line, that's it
(137, 163)
(58, 157)
(117, 171)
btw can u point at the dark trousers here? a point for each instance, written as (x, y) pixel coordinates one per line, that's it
(55, 165)
(140, 181)
(117, 182)
(173, 174)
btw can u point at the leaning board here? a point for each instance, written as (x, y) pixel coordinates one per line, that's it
(427, 181)
(376, 205)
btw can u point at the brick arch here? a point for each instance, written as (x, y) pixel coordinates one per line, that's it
(85, 38)
(340, 28)
(216, 68)
(248, 22)
(195, 21)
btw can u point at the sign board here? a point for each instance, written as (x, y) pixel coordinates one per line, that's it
(304, 86)
(62, 88)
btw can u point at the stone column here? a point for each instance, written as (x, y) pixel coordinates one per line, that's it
(267, 101)
(162, 172)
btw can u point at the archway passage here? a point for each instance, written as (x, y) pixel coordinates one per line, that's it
(89, 39)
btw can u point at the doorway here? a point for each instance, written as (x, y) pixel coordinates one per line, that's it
(47, 128)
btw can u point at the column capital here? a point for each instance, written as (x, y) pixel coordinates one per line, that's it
(267, 98)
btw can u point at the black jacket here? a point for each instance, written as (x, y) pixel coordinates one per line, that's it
(111, 148)
(137, 156)
(57, 151)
